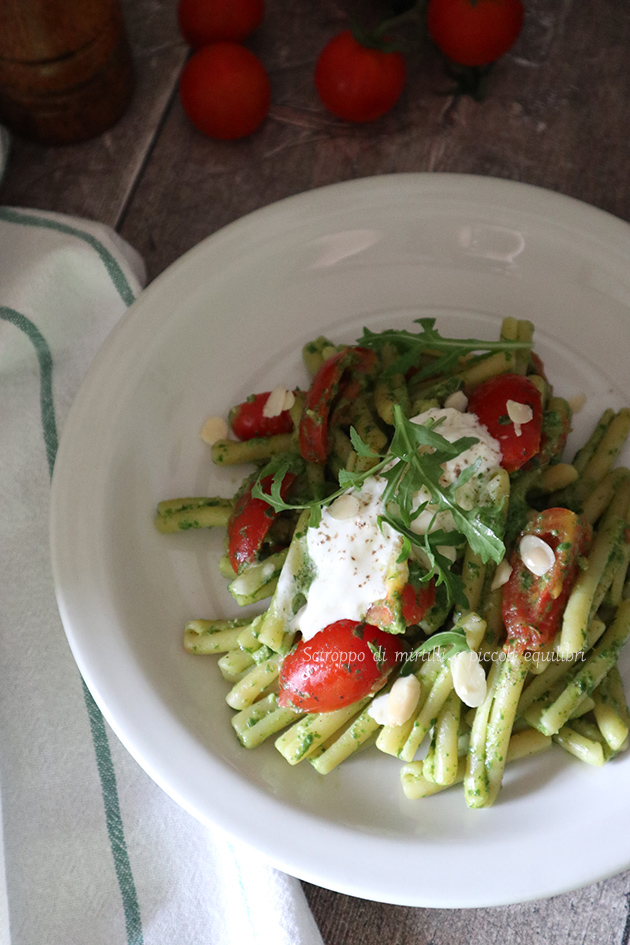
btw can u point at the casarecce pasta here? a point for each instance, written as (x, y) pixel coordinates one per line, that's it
(437, 578)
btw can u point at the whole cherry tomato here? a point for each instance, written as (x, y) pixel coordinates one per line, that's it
(225, 91)
(358, 83)
(250, 521)
(341, 664)
(247, 419)
(474, 32)
(533, 605)
(202, 22)
(489, 403)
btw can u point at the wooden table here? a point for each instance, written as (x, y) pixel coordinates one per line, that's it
(557, 115)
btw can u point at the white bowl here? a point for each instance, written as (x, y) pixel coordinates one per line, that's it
(228, 319)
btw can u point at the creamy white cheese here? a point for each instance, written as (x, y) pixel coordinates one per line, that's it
(350, 554)
(453, 426)
(351, 558)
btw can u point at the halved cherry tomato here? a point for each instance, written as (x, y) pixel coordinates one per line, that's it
(250, 521)
(489, 403)
(247, 419)
(320, 396)
(341, 664)
(533, 606)
(417, 601)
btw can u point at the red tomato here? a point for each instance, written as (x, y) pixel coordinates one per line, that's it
(474, 32)
(489, 403)
(247, 419)
(357, 83)
(417, 601)
(202, 22)
(320, 396)
(533, 606)
(225, 91)
(337, 667)
(250, 521)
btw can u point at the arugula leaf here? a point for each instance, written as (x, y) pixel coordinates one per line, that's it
(414, 463)
(277, 467)
(360, 448)
(439, 564)
(412, 345)
(453, 641)
(425, 469)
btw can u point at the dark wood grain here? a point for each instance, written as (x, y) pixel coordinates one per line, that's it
(555, 115)
(565, 87)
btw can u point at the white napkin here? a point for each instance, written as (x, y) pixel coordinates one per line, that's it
(94, 852)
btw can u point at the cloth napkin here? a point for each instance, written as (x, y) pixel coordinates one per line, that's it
(94, 852)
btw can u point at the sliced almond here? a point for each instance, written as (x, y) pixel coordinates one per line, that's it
(457, 400)
(215, 428)
(519, 414)
(346, 506)
(577, 403)
(537, 556)
(279, 400)
(501, 575)
(377, 709)
(403, 699)
(469, 679)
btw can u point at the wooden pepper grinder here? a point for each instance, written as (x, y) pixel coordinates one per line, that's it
(65, 68)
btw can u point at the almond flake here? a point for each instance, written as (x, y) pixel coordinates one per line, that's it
(519, 414)
(403, 699)
(279, 400)
(469, 679)
(501, 575)
(457, 400)
(215, 428)
(346, 506)
(577, 403)
(537, 556)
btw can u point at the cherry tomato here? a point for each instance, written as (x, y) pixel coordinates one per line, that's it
(474, 32)
(357, 83)
(417, 601)
(250, 521)
(202, 22)
(247, 419)
(338, 666)
(320, 396)
(533, 606)
(489, 403)
(225, 91)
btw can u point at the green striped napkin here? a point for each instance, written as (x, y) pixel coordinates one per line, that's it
(94, 852)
